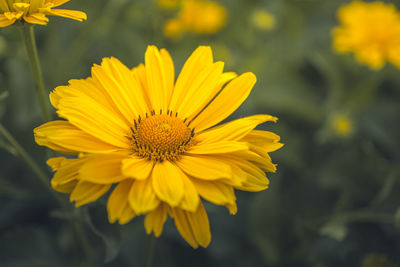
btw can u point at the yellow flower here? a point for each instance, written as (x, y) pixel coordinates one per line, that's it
(263, 20)
(34, 11)
(173, 28)
(371, 31)
(342, 125)
(198, 16)
(155, 139)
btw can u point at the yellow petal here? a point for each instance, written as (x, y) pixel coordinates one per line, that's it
(89, 87)
(215, 192)
(229, 99)
(90, 116)
(200, 59)
(126, 215)
(263, 163)
(4, 21)
(67, 170)
(234, 130)
(154, 221)
(71, 14)
(169, 69)
(36, 18)
(136, 167)
(55, 163)
(262, 142)
(35, 4)
(57, 2)
(66, 188)
(206, 148)
(102, 169)
(167, 182)
(139, 72)
(260, 137)
(191, 199)
(85, 192)
(65, 178)
(224, 78)
(121, 86)
(201, 87)
(194, 227)
(253, 178)
(142, 197)
(4, 6)
(118, 202)
(62, 134)
(272, 147)
(203, 167)
(157, 81)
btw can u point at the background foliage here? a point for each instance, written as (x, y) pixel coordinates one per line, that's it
(334, 200)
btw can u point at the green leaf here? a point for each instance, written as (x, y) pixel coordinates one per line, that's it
(335, 229)
(3, 96)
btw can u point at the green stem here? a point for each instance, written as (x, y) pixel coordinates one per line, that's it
(150, 249)
(43, 178)
(35, 168)
(84, 243)
(30, 43)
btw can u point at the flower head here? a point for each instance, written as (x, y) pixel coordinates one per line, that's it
(263, 20)
(371, 31)
(156, 139)
(197, 16)
(173, 28)
(342, 125)
(34, 11)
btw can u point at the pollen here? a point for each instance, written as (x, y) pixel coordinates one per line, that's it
(160, 137)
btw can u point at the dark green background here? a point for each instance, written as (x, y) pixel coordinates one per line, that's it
(333, 200)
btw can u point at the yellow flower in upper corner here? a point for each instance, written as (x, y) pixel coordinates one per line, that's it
(342, 125)
(263, 20)
(34, 11)
(156, 139)
(371, 31)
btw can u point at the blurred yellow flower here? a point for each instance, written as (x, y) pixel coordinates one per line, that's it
(34, 11)
(197, 16)
(202, 16)
(154, 138)
(342, 125)
(169, 4)
(263, 20)
(371, 31)
(173, 28)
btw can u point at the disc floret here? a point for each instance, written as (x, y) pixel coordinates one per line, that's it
(160, 137)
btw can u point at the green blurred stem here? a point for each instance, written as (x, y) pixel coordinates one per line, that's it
(84, 243)
(43, 178)
(30, 44)
(24, 155)
(150, 249)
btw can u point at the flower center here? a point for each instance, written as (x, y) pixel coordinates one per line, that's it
(161, 137)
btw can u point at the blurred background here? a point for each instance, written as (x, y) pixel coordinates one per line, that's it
(334, 200)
